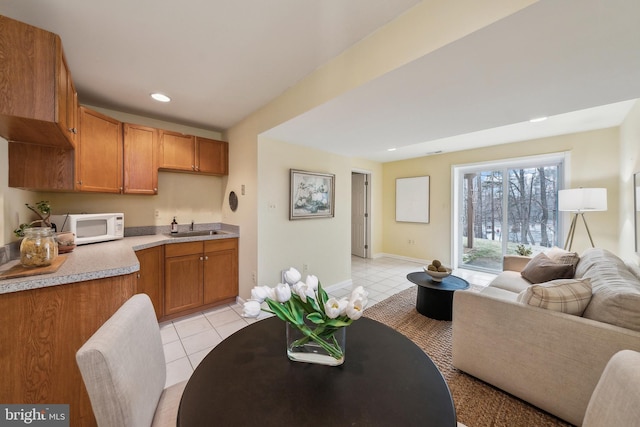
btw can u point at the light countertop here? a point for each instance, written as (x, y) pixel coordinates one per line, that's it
(98, 260)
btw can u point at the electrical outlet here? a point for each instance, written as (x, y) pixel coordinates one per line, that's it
(157, 213)
(305, 268)
(253, 277)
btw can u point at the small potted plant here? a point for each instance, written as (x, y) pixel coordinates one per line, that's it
(522, 250)
(65, 240)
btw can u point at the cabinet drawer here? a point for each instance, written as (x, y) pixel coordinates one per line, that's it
(220, 245)
(180, 249)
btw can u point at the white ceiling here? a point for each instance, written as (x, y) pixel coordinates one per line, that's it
(549, 59)
(220, 61)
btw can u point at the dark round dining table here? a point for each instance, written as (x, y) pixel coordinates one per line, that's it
(386, 380)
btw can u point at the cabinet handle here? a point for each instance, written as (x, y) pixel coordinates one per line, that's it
(80, 182)
(206, 257)
(155, 190)
(138, 275)
(193, 167)
(73, 130)
(201, 258)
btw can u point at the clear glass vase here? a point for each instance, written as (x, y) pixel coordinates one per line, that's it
(38, 247)
(321, 347)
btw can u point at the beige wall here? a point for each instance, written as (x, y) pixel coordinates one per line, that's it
(629, 164)
(423, 29)
(324, 244)
(594, 163)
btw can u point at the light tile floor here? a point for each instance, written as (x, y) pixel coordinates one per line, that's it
(187, 340)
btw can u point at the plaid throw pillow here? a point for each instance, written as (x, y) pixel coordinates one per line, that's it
(569, 296)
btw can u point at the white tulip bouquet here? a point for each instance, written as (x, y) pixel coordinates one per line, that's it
(296, 301)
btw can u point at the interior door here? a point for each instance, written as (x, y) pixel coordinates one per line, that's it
(359, 214)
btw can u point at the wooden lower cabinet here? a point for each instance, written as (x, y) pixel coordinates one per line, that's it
(151, 276)
(41, 333)
(199, 275)
(220, 281)
(182, 277)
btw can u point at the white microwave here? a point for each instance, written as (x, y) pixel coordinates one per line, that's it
(91, 228)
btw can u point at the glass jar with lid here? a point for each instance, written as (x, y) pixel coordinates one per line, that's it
(38, 248)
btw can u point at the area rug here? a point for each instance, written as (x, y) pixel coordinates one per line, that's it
(477, 403)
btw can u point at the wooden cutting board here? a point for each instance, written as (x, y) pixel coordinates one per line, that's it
(19, 270)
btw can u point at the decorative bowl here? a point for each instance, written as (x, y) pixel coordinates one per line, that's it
(437, 276)
(66, 242)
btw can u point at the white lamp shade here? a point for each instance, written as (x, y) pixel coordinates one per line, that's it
(582, 199)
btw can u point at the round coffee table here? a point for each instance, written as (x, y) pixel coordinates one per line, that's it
(435, 299)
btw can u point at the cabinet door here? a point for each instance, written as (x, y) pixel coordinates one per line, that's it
(220, 270)
(33, 91)
(140, 159)
(177, 151)
(99, 153)
(67, 101)
(212, 156)
(151, 276)
(182, 277)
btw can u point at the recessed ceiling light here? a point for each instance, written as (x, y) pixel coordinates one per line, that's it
(538, 119)
(160, 97)
(391, 149)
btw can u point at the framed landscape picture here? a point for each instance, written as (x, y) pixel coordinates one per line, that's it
(312, 195)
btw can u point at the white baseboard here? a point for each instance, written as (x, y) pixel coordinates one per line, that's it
(404, 258)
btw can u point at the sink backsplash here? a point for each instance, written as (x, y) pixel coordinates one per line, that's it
(165, 229)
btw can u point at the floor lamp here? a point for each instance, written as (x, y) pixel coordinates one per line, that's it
(579, 201)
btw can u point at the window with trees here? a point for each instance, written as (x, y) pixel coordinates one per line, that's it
(506, 208)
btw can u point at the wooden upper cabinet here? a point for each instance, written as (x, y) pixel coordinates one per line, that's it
(35, 87)
(188, 153)
(99, 153)
(140, 159)
(212, 156)
(177, 151)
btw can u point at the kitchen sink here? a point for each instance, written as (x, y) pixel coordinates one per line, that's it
(196, 233)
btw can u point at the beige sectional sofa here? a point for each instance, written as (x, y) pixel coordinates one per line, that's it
(548, 358)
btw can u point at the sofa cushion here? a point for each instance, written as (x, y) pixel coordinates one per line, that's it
(511, 281)
(542, 269)
(616, 290)
(569, 296)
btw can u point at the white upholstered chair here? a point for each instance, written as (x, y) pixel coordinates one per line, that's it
(616, 399)
(123, 368)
